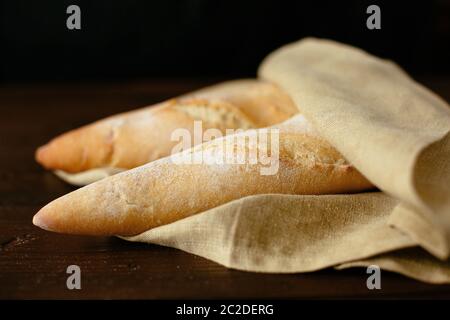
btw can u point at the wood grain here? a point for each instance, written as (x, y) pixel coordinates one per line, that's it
(33, 262)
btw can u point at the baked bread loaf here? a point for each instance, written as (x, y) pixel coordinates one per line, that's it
(131, 139)
(167, 190)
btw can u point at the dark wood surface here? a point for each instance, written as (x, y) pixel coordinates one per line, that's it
(33, 262)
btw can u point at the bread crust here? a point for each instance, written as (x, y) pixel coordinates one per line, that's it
(162, 191)
(134, 138)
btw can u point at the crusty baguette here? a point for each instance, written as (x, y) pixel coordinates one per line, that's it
(263, 102)
(134, 138)
(161, 192)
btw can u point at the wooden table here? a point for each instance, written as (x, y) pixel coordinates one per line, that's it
(33, 262)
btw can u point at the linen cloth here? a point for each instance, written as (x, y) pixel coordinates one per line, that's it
(392, 129)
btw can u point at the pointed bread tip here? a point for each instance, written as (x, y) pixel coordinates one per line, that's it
(39, 220)
(41, 155)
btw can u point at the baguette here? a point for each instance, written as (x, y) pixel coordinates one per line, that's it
(162, 191)
(131, 139)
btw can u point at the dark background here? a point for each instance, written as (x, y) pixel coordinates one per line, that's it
(201, 38)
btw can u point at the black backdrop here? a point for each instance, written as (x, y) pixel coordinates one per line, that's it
(206, 38)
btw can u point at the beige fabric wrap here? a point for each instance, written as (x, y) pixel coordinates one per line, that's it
(395, 131)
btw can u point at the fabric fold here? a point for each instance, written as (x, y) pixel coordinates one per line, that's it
(286, 233)
(411, 262)
(394, 130)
